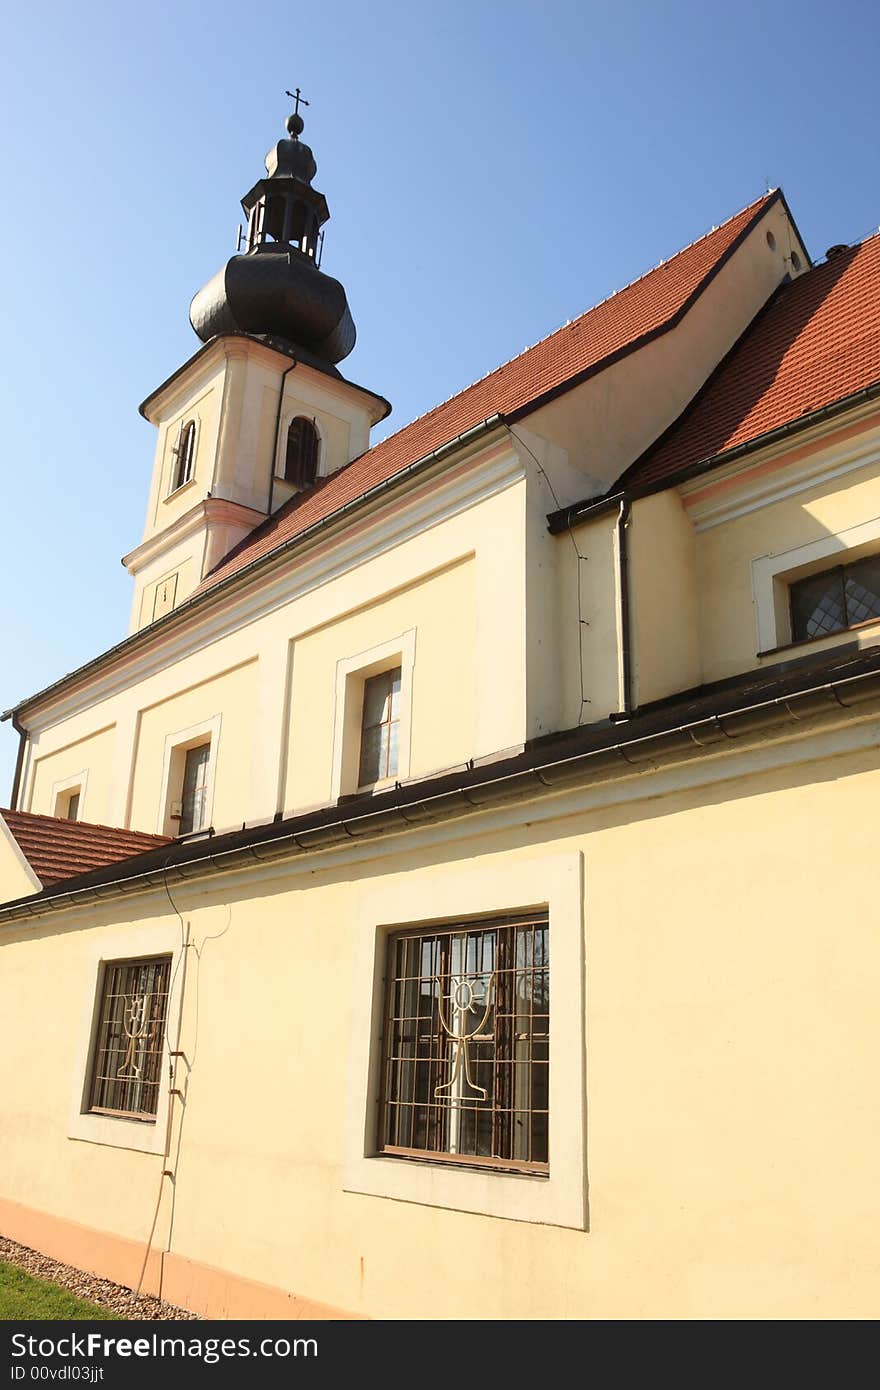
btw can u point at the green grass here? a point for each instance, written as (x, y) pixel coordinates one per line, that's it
(22, 1296)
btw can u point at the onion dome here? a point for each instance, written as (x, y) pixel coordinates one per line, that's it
(276, 286)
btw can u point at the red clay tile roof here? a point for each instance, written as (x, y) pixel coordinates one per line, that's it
(615, 326)
(59, 849)
(817, 342)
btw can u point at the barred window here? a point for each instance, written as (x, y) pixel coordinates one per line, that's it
(465, 1068)
(127, 1064)
(835, 599)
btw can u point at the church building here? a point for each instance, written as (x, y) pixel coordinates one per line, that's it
(453, 896)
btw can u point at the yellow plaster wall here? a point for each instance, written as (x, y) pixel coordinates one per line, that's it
(93, 755)
(231, 695)
(15, 880)
(588, 632)
(732, 1066)
(728, 637)
(204, 407)
(663, 598)
(441, 608)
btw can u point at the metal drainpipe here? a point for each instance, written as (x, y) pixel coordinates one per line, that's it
(623, 516)
(284, 375)
(19, 763)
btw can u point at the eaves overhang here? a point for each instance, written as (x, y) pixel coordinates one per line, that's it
(566, 517)
(478, 434)
(672, 321)
(289, 350)
(712, 719)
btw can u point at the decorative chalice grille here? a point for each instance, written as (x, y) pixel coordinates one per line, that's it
(466, 1055)
(126, 1071)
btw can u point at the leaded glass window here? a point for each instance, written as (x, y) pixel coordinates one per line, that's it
(127, 1062)
(466, 1059)
(835, 599)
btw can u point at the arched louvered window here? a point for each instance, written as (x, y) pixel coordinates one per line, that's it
(185, 451)
(301, 458)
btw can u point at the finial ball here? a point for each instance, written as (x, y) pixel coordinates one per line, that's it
(295, 125)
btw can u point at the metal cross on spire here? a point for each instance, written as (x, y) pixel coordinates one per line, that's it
(298, 98)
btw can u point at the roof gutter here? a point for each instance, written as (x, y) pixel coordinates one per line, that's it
(567, 517)
(467, 794)
(177, 615)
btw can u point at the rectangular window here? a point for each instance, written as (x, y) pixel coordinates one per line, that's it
(465, 1067)
(164, 596)
(184, 453)
(194, 795)
(380, 727)
(127, 1064)
(836, 599)
(72, 810)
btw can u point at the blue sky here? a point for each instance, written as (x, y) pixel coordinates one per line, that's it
(492, 170)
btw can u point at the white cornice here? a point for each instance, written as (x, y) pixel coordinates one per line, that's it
(833, 734)
(783, 470)
(210, 511)
(165, 400)
(329, 555)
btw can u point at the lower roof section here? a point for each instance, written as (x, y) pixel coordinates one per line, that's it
(710, 716)
(815, 343)
(60, 850)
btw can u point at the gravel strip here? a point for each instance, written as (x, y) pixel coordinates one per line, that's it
(116, 1297)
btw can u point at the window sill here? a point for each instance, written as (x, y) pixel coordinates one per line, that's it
(116, 1132)
(172, 496)
(473, 1164)
(813, 641)
(380, 785)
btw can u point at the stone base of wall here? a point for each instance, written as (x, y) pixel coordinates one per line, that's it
(210, 1292)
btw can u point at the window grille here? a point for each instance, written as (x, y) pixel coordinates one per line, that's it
(835, 599)
(194, 797)
(301, 456)
(380, 727)
(465, 1066)
(185, 451)
(127, 1064)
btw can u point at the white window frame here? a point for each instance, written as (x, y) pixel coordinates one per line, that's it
(281, 450)
(163, 579)
(174, 757)
(475, 890)
(63, 788)
(172, 491)
(115, 1131)
(773, 574)
(351, 674)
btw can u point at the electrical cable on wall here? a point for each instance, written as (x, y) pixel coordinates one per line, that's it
(172, 1069)
(174, 1054)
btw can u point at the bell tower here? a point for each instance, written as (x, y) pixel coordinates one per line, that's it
(277, 286)
(260, 413)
